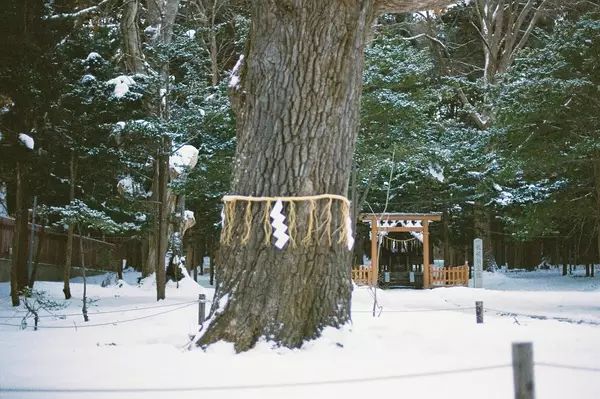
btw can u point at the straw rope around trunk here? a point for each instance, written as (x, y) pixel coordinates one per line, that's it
(318, 215)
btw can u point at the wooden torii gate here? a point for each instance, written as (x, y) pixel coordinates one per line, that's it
(400, 222)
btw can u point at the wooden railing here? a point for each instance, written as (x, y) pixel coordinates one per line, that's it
(361, 275)
(450, 276)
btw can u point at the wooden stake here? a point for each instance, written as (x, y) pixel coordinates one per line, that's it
(479, 311)
(201, 308)
(522, 355)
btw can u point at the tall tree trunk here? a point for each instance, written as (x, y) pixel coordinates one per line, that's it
(70, 231)
(163, 223)
(297, 108)
(597, 184)
(301, 91)
(151, 245)
(38, 252)
(161, 17)
(483, 219)
(130, 32)
(17, 236)
(446, 239)
(21, 233)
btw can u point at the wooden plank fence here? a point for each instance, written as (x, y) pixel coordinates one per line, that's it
(450, 276)
(440, 276)
(98, 254)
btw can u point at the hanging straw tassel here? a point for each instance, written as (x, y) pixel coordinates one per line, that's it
(327, 221)
(267, 228)
(229, 210)
(248, 223)
(314, 231)
(344, 216)
(311, 222)
(292, 222)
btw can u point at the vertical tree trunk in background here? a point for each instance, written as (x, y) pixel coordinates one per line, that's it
(214, 63)
(132, 46)
(482, 218)
(446, 240)
(17, 237)
(38, 251)
(152, 235)
(161, 16)
(20, 245)
(163, 223)
(70, 231)
(22, 234)
(597, 184)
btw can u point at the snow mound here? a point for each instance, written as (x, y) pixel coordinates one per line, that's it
(27, 140)
(93, 56)
(128, 186)
(122, 84)
(87, 78)
(184, 158)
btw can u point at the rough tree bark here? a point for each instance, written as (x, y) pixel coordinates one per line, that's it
(297, 111)
(132, 46)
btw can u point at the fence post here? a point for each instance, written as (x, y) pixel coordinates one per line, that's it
(479, 311)
(201, 308)
(522, 357)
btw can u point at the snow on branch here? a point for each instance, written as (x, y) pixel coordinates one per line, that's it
(234, 80)
(78, 13)
(27, 140)
(400, 6)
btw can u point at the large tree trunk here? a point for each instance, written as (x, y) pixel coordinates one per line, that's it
(297, 124)
(297, 113)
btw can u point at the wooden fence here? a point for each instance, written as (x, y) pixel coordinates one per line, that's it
(361, 275)
(53, 247)
(450, 276)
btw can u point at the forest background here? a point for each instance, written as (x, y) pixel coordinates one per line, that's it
(489, 118)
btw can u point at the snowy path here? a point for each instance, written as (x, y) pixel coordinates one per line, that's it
(142, 358)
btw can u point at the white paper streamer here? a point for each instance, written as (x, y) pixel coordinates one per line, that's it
(350, 236)
(279, 227)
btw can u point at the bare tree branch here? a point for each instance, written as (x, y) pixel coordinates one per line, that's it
(76, 14)
(401, 6)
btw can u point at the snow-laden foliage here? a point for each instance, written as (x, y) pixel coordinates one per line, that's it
(78, 213)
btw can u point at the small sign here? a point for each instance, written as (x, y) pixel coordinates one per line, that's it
(206, 261)
(411, 277)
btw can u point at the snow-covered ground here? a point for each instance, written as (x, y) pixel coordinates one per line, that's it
(137, 351)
